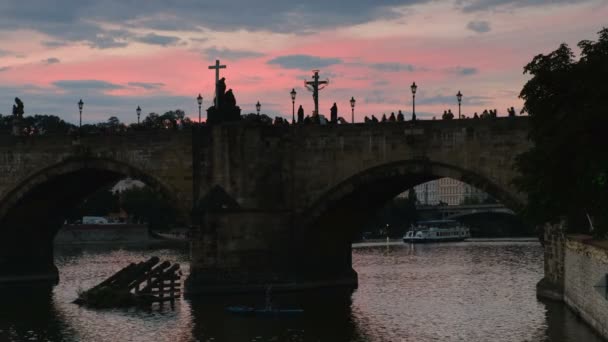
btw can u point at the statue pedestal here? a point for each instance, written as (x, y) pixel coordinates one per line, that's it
(223, 114)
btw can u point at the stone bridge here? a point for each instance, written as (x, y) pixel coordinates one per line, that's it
(268, 204)
(455, 211)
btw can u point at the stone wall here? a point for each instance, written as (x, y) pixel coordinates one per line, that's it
(552, 285)
(107, 233)
(585, 281)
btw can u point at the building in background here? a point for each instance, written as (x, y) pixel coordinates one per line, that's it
(449, 191)
(427, 193)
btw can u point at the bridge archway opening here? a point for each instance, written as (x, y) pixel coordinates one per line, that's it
(34, 211)
(335, 220)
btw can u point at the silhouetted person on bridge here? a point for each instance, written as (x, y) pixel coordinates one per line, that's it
(511, 111)
(400, 117)
(392, 117)
(300, 115)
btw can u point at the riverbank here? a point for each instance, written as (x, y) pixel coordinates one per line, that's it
(576, 273)
(400, 241)
(102, 233)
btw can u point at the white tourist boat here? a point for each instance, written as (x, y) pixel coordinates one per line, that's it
(437, 231)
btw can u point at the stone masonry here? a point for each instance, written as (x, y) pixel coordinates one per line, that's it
(270, 203)
(585, 281)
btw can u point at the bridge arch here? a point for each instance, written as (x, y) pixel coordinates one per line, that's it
(331, 222)
(371, 188)
(34, 210)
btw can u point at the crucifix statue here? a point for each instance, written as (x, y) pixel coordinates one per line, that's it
(315, 85)
(217, 68)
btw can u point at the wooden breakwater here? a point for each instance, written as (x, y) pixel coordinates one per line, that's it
(144, 283)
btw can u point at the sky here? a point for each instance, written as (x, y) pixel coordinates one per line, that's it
(117, 55)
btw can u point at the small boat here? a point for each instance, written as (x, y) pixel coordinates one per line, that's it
(437, 231)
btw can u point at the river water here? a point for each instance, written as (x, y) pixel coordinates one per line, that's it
(470, 291)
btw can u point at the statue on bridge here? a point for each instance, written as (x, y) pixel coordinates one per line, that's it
(226, 109)
(17, 116)
(334, 113)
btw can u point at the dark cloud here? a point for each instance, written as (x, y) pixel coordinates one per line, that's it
(303, 62)
(80, 21)
(381, 97)
(4, 68)
(109, 39)
(54, 43)
(52, 60)
(215, 53)
(146, 85)
(199, 40)
(483, 5)
(3, 52)
(479, 26)
(155, 39)
(70, 20)
(463, 71)
(381, 83)
(72, 85)
(393, 67)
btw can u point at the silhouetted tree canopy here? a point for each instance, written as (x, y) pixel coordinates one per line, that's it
(145, 205)
(566, 172)
(100, 203)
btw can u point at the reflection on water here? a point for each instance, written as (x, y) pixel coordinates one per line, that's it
(444, 292)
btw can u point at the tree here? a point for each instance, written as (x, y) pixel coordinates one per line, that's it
(100, 203)
(566, 171)
(470, 200)
(147, 205)
(5, 122)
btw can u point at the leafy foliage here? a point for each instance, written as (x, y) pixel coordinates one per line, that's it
(397, 215)
(566, 171)
(147, 205)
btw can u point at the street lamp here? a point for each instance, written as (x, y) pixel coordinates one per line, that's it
(459, 96)
(352, 107)
(80, 105)
(414, 87)
(138, 110)
(293, 106)
(199, 99)
(257, 107)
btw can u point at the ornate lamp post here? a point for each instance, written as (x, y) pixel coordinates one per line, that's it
(414, 87)
(459, 97)
(199, 99)
(293, 106)
(352, 107)
(257, 107)
(80, 105)
(138, 110)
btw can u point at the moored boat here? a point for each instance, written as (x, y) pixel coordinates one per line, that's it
(437, 231)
